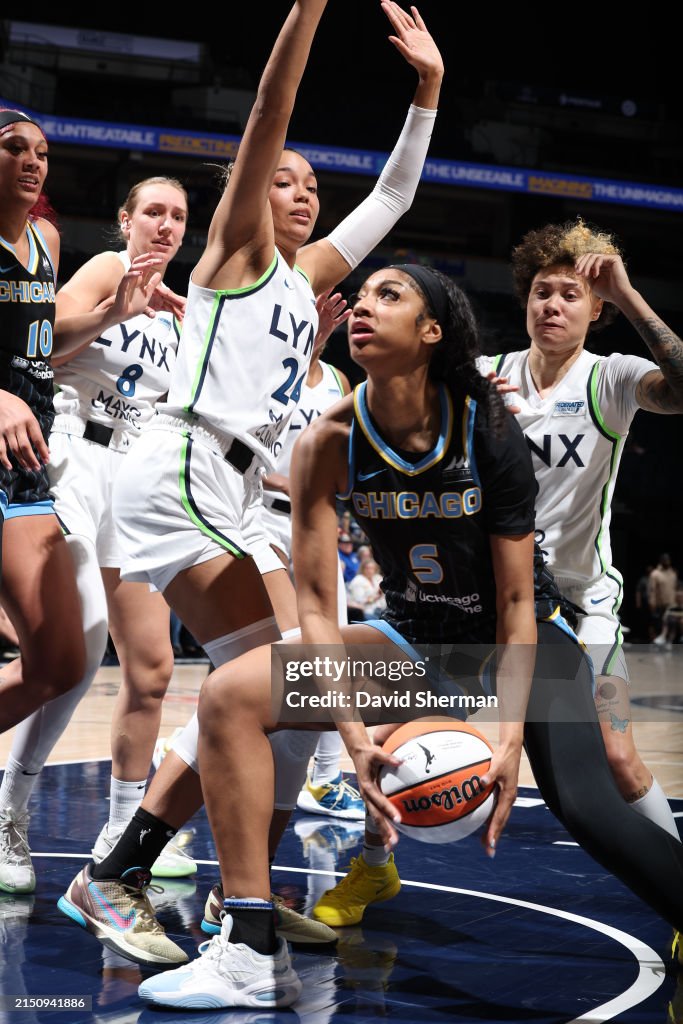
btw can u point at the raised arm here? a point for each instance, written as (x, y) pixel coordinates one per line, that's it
(100, 294)
(328, 261)
(660, 390)
(240, 242)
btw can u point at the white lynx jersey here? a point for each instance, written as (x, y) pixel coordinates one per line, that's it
(313, 403)
(118, 379)
(244, 357)
(576, 435)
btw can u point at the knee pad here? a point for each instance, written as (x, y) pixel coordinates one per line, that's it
(222, 650)
(256, 634)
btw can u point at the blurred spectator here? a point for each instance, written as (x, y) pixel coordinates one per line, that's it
(364, 590)
(348, 557)
(364, 552)
(642, 632)
(662, 585)
(350, 526)
(672, 623)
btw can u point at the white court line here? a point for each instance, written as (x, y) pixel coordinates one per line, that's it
(651, 970)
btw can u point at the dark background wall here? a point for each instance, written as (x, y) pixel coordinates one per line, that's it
(548, 90)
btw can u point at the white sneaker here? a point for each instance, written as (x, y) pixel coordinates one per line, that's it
(16, 870)
(226, 974)
(172, 862)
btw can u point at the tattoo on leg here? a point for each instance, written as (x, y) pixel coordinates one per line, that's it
(632, 797)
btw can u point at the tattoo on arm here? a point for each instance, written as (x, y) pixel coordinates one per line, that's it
(665, 393)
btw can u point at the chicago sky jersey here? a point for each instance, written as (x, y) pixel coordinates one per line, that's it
(27, 316)
(576, 436)
(118, 379)
(429, 517)
(244, 357)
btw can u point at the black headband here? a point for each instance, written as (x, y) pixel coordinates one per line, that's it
(431, 287)
(15, 116)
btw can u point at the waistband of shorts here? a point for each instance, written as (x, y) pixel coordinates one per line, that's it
(566, 583)
(236, 452)
(277, 504)
(118, 438)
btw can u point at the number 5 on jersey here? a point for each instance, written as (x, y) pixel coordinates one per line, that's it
(424, 561)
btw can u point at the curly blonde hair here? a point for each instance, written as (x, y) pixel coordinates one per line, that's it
(561, 245)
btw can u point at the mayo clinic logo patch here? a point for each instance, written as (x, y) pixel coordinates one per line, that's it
(569, 408)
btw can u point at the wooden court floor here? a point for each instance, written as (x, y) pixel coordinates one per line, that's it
(656, 690)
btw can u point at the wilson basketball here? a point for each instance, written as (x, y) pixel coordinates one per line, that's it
(437, 789)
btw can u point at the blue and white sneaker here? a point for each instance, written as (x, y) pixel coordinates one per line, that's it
(336, 799)
(226, 974)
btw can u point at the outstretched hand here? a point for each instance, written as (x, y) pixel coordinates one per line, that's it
(504, 387)
(164, 299)
(332, 312)
(412, 39)
(135, 290)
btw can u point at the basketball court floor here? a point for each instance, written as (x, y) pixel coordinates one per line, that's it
(539, 934)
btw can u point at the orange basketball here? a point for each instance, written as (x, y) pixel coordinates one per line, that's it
(437, 789)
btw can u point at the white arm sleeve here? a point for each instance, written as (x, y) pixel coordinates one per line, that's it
(360, 232)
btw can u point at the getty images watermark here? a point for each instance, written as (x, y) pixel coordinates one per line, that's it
(389, 683)
(373, 682)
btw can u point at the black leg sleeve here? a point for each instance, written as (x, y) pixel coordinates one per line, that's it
(567, 754)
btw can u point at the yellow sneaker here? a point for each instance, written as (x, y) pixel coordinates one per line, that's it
(364, 884)
(677, 948)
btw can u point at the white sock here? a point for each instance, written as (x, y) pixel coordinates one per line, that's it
(125, 798)
(326, 760)
(17, 786)
(655, 806)
(374, 856)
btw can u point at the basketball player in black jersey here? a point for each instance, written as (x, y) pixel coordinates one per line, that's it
(442, 482)
(38, 585)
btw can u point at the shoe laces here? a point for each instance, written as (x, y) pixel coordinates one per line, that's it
(351, 876)
(144, 910)
(217, 949)
(174, 846)
(346, 790)
(14, 838)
